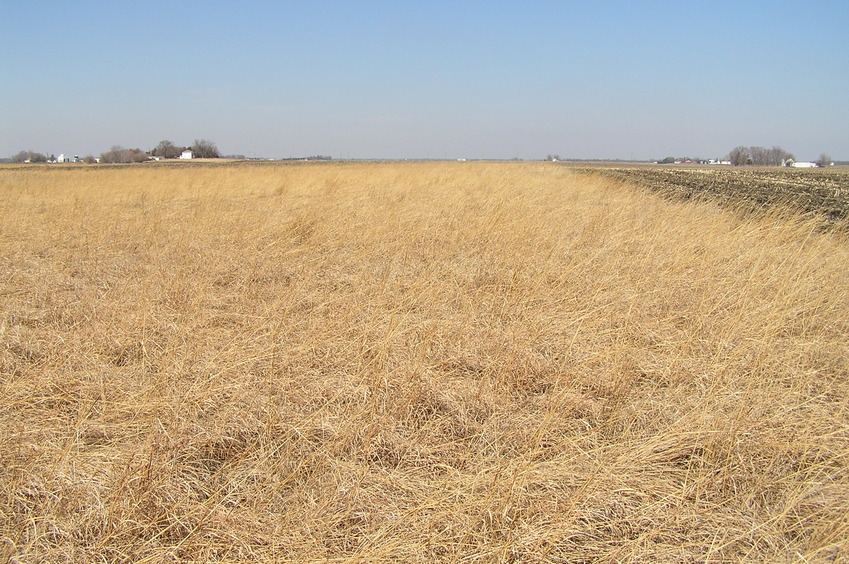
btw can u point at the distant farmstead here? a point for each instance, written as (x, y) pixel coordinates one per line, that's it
(798, 164)
(186, 154)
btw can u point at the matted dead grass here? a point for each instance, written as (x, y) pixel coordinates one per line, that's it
(414, 362)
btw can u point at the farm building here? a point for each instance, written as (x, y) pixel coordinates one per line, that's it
(186, 154)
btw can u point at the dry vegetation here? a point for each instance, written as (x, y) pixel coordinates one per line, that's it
(414, 362)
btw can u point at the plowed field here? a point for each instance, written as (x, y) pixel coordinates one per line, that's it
(822, 191)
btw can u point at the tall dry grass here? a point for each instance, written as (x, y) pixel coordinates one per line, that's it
(414, 362)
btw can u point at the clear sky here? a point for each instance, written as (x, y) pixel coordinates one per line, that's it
(418, 79)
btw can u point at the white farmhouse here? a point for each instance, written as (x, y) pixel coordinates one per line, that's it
(187, 154)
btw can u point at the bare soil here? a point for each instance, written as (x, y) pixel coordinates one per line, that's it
(821, 192)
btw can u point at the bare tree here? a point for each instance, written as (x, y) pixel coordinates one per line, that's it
(758, 156)
(824, 160)
(118, 154)
(777, 155)
(29, 157)
(167, 150)
(204, 149)
(740, 156)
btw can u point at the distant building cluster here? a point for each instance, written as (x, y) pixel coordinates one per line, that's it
(62, 158)
(802, 164)
(754, 156)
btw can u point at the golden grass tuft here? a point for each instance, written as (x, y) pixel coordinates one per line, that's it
(415, 362)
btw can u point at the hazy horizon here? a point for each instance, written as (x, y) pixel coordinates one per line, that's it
(471, 80)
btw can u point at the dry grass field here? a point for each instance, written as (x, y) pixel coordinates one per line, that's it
(414, 362)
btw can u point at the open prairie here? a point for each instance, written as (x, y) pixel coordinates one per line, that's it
(415, 362)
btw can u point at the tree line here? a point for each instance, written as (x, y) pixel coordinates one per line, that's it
(753, 156)
(776, 156)
(201, 149)
(759, 156)
(30, 157)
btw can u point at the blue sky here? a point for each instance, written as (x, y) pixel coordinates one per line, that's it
(427, 79)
